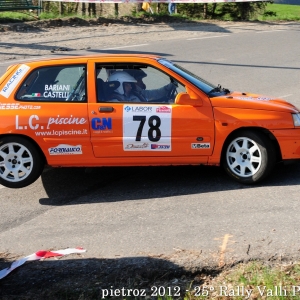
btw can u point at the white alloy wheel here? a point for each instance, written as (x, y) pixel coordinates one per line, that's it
(21, 163)
(16, 162)
(249, 156)
(243, 157)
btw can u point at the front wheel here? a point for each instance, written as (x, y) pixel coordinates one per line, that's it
(248, 157)
(20, 162)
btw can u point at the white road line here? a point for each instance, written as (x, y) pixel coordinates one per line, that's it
(207, 37)
(285, 96)
(121, 47)
(13, 61)
(271, 31)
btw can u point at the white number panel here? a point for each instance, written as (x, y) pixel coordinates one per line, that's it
(147, 127)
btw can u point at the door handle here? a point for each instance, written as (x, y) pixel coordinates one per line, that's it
(106, 109)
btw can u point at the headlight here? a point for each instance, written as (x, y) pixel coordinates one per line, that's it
(296, 118)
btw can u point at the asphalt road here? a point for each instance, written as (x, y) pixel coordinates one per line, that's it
(130, 212)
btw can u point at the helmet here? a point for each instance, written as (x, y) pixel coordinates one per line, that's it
(137, 73)
(109, 72)
(122, 77)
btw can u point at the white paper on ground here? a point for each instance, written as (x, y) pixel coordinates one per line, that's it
(37, 256)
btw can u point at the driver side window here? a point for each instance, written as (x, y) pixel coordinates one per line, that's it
(135, 83)
(160, 88)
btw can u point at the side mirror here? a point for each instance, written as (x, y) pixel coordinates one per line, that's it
(185, 99)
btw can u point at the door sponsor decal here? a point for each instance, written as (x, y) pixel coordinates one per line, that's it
(64, 149)
(18, 106)
(200, 145)
(147, 128)
(45, 128)
(159, 147)
(33, 122)
(163, 109)
(102, 125)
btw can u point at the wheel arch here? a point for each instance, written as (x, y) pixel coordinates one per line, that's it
(267, 133)
(29, 139)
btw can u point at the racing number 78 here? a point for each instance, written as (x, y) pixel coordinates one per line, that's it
(154, 122)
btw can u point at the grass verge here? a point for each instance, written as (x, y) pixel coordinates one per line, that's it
(281, 12)
(253, 280)
(70, 281)
(273, 12)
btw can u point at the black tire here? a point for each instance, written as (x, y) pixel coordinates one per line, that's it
(248, 156)
(21, 163)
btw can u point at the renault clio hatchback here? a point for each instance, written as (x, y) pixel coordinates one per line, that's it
(135, 110)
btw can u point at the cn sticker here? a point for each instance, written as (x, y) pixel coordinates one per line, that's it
(147, 128)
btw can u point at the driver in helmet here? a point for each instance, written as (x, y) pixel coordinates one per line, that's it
(124, 92)
(140, 86)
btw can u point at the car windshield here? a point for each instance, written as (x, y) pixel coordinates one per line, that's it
(208, 88)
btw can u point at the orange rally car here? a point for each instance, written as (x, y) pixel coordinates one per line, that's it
(135, 110)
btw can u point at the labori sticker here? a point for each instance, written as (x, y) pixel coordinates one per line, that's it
(63, 149)
(14, 80)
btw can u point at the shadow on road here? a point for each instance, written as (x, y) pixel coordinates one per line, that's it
(94, 278)
(115, 184)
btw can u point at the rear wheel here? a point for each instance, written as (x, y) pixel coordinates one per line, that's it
(249, 157)
(20, 162)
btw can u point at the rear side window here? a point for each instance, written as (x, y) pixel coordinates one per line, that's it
(55, 84)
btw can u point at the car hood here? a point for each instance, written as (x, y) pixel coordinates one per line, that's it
(252, 101)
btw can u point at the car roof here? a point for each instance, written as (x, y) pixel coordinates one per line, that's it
(89, 57)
